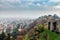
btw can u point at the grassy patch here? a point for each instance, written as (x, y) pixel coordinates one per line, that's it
(50, 35)
(46, 35)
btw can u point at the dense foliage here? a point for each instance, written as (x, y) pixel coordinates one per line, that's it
(42, 34)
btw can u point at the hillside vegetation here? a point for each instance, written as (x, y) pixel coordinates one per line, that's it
(40, 33)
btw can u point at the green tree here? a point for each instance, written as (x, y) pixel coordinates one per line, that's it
(2, 36)
(39, 28)
(26, 37)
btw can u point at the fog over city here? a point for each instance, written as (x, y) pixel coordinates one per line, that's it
(27, 14)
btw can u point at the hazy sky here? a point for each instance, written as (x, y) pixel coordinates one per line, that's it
(29, 8)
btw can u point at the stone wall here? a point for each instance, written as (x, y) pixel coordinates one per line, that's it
(54, 25)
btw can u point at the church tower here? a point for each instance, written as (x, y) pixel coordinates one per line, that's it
(20, 33)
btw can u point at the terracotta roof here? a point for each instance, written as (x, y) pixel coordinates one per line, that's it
(1, 28)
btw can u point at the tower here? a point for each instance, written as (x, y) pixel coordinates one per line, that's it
(20, 33)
